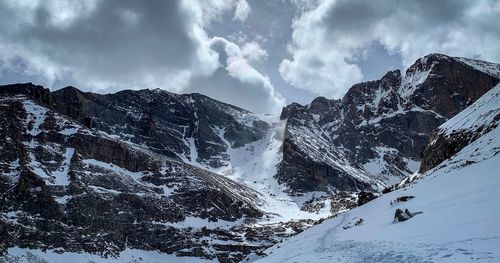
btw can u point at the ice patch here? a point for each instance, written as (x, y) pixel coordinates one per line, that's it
(114, 168)
(61, 176)
(35, 117)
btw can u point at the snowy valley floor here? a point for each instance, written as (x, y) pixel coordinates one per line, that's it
(460, 220)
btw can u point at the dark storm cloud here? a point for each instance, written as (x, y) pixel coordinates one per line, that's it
(122, 36)
(122, 43)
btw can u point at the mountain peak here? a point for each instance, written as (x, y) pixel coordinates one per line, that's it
(27, 88)
(379, 126)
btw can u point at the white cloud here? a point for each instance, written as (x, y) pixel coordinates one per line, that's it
(253, 52)
(242, 10)
(237, 81)
(123, 44)
(328, 36)
(111, 44)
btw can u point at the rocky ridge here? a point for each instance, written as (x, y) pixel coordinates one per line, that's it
(376, 134)
(448, 139)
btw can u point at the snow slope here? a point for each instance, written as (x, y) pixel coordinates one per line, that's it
(254, 166)
(128, 256)
(480, 114)
(460, 220)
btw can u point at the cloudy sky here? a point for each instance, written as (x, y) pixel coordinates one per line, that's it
(256, 54)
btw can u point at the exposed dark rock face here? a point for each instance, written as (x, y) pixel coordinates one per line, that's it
(365, 197)
(376, 134)
(35, 92)
(449, 139)
(443, 147)
(170, 124)
(301, 173)
(64, 186)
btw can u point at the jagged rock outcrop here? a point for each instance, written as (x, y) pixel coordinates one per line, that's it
(376, 133)
(365, 197)
(463, 129)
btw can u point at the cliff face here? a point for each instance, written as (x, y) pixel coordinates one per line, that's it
(65, 186)
(376, 134)
(185, 127)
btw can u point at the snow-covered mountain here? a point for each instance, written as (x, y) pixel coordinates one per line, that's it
(456, 217)
(65, 186)
(191, 127)
(148, 171)
(197, 130)
(82, 185)
(376, 134)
